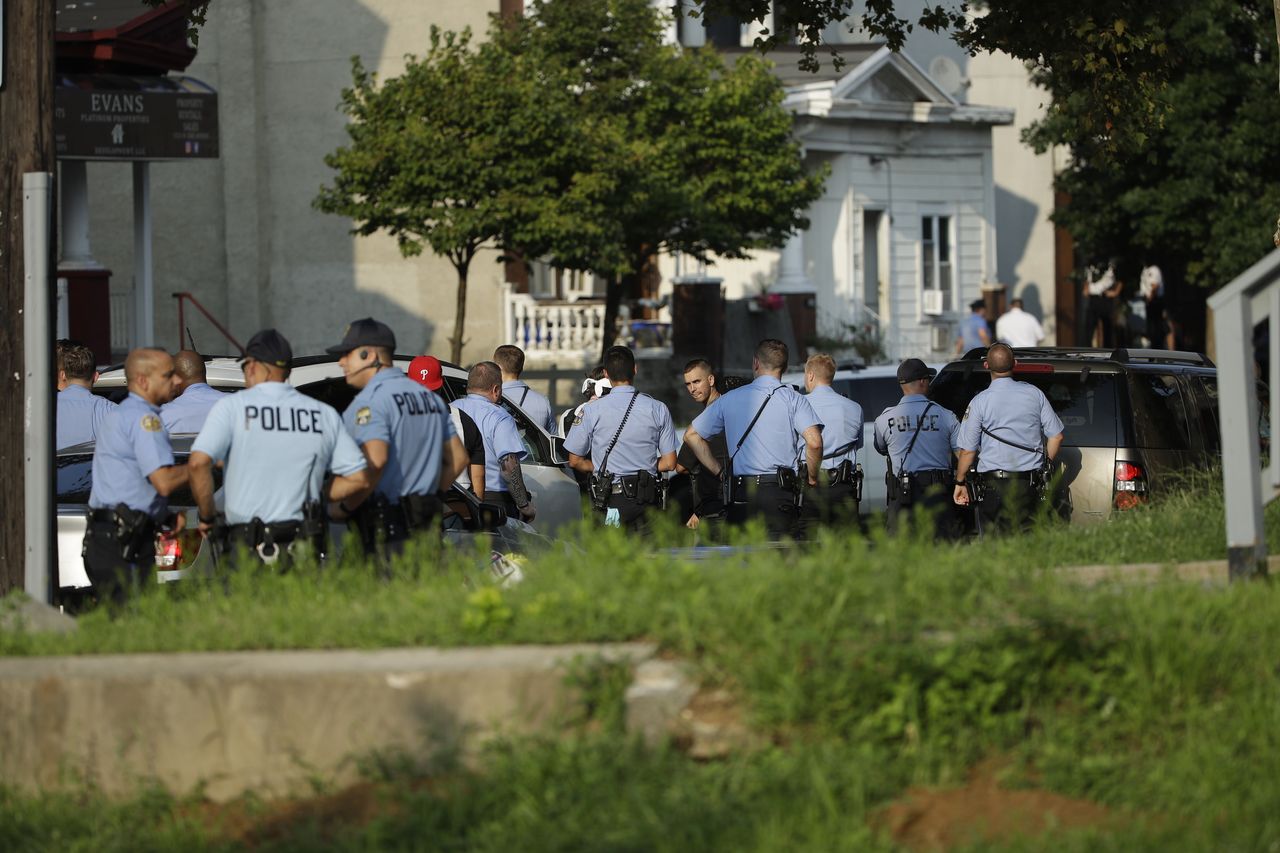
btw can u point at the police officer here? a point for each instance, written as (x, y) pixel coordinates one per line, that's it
(410, 447)
(708, 502)
(918, 437)
(503, 447)
(626, 442)
(80, 413)
(510, 359)
(761, 423)
(1013, 431)
(186, 412)
(277, 446)
(839, 490)
(133, 475)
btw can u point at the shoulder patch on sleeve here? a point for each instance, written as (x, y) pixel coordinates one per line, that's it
(965, 417)
(151, 423)
(577, 419)
(363, 416)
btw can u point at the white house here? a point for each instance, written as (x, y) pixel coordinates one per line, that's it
(904, 236)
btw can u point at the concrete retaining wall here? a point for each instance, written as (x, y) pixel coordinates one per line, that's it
(270, 721)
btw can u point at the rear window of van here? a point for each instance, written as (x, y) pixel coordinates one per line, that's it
(1085, 401)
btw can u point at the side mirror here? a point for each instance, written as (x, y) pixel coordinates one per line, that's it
(490, 516)
(558, 454)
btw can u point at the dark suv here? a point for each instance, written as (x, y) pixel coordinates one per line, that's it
(1133, 419)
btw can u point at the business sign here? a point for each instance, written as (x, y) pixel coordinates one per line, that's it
(97, 124)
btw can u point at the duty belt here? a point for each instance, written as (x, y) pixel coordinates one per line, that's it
(757, 479)
(258, 532)
(1006, 475)
(930, 476)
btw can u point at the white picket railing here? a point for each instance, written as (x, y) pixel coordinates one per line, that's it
(545, 328)
(1254, 296)
(121, 320)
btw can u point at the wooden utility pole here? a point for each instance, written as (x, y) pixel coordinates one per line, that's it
(26, 145)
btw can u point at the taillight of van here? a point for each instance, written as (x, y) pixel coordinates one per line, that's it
(1130, 486)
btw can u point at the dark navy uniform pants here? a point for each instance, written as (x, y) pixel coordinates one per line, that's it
(931, 492)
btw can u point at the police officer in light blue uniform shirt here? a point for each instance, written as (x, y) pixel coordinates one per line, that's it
(645, 446)
(834, 498)
(406, 435)
(1013, 430)
(974, 331)
(186, 412)
(503, 447)
(133, 475)
(511, 359)
(277, 446)
(80, 413)
(919, 437)
(761, 455)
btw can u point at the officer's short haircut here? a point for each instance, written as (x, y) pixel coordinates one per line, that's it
(1017, 303)
(483, 375)
(822, 366)
(620, 364)
(1000, 358)
(142, 361)
(510, 358)
(772, 354)
(189, 365)
(75, 358)
(699, 362)
(597, 372)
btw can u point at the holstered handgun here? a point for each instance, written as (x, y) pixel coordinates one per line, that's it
(974, 487)
(136, 533)
(601, 489)
(1040, 480)
(420, 511)
(788, 479)
(856, 480)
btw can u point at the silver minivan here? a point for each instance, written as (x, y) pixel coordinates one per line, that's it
(1135, 422)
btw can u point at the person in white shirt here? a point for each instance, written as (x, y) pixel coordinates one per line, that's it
(1017, 328)
(1151, 286)
(1100, 289)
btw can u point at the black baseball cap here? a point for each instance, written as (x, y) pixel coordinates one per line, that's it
(365, 333)
(913, 370)
(269, 347)
(976, 304)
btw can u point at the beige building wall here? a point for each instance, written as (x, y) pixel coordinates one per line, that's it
(1024, 185)
(240, 233)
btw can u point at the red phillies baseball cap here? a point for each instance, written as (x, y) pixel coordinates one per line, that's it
(425, 370)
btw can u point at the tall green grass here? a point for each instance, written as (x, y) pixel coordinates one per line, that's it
(868, 666)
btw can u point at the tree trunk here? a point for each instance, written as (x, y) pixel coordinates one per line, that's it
(26, 145)
(460, 315)
(612, 299)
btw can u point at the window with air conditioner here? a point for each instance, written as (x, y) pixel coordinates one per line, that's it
(936, 295)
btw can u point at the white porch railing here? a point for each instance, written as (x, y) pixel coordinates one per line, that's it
(121, 320)
(1254, 296)
(544, 328)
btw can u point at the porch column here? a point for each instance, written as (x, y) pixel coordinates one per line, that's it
(791, 276)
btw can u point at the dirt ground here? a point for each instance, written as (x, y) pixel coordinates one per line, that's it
(981, 810)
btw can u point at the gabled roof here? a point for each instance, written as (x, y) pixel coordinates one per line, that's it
(887, 86)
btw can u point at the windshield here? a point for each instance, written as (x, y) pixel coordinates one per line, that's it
(1084, 400)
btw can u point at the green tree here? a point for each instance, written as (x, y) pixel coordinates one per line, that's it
(678, 152)
(452, 154)
(1200, 196)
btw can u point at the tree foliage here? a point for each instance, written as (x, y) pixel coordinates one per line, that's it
(681, 152)
(450, 155)
(572, 134)
(1115, 53)
(1200, 197)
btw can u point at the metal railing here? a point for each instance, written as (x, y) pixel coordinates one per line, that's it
(1253, 297)
(183, 335)
(543, 328)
